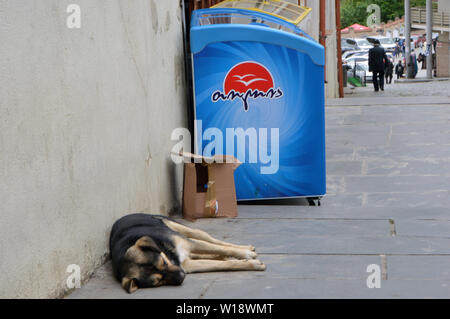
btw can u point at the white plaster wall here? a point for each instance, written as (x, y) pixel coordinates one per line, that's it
(311, 25)
(332, 86)
(85, 123)
(444, 6)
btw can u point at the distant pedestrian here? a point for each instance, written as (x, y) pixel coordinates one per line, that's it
(422, 58)
(414, 64)
(399, 69)
(389, 71)
(377, 61)
(397, 50)
(402, 46)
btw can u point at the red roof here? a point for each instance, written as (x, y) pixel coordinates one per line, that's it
(357, 27)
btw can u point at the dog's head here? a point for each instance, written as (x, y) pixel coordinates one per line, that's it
(144, 265)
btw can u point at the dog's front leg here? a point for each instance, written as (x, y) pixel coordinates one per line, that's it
(203, 247)
(208, 265)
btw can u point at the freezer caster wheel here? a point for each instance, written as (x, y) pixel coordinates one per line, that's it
(314, 201)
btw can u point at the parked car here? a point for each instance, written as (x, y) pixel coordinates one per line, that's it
(356, 59)
(363, 44)
(349, 54)
(387, 43)
(348, 45)
(358, 70)
(368, 75)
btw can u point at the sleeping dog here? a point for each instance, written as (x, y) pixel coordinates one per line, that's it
(152, 251)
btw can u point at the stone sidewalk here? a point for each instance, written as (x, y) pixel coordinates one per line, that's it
(388, 203)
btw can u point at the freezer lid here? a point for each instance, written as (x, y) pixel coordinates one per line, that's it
(287, 11)
(224, 25)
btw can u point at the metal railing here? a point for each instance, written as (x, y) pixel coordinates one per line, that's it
(440, 19)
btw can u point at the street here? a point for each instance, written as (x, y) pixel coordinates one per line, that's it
(387, 208)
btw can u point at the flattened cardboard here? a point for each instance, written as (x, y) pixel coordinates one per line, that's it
(209, 189)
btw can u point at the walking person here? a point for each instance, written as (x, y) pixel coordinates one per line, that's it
(377, 60)
(399, 69)
(389, 71)
(397, 50)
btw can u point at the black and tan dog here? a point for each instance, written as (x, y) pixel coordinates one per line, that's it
(152, 251)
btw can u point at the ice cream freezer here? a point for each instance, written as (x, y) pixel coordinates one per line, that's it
(259, 96)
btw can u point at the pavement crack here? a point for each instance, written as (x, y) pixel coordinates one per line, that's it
(384, 271)
(389, 139)
(205, 290)
(392, 227)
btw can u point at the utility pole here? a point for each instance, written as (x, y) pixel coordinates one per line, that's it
(430, 39)
(339, 48)
(323, 31)
(409, 66)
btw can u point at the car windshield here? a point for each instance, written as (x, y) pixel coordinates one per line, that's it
(363, 42)
(386, 41)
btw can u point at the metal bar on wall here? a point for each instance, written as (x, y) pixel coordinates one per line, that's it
(339, 49)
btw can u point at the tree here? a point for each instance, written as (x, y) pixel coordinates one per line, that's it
(355, 11)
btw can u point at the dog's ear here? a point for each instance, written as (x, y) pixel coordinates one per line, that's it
(147, 244)
(129, 284)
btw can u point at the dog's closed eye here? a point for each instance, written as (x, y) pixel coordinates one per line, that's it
(149, 249)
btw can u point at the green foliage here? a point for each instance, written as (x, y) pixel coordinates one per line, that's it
(355, 11)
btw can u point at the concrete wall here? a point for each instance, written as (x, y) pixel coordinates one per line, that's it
(311, 25)
(443, 55)
(332, 86)
(85, 122)
(444, 6)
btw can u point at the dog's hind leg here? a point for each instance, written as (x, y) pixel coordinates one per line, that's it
(206, 256)
(201, 235)
(207, 265)
(202, 247)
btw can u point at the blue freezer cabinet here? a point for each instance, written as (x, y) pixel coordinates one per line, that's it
(259, 96)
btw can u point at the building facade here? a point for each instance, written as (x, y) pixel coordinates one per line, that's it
(441, 25)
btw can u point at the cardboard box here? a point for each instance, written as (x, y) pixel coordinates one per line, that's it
(209, 189)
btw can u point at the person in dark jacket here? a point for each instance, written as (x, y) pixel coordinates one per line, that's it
(377, 61)
(399, 69)
(389, 71)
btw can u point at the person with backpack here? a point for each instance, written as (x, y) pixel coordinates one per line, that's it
(399, 69)
(389, 71)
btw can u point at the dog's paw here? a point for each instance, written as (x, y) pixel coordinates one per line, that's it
(257, 265)
(249, 247)
(251, 254)
(245, 254)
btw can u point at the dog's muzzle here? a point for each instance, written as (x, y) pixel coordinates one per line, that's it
(175, 278)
